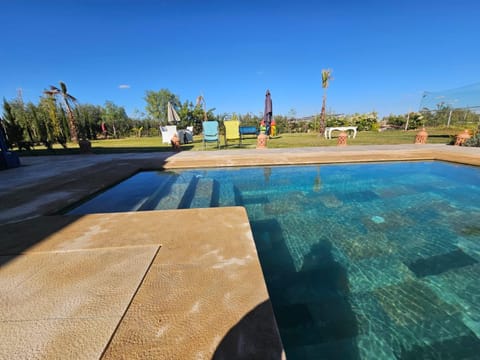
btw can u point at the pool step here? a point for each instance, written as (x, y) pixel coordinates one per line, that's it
(206, 194)
(180, 196)
(170, 195)
(184, 193)
(225, 197)
(158, 194)
(188, 194)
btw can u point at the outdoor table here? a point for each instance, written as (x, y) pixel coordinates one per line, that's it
(328, 130)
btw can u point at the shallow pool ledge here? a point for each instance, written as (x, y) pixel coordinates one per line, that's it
(178, 284)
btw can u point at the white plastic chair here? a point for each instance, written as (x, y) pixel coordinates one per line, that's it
(167, 133)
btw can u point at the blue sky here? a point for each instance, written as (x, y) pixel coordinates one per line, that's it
(384, 54)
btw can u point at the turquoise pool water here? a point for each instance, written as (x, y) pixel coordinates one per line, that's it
(364, 261)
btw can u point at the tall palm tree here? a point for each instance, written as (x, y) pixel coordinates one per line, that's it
(68, 101)
(200, 102)
(326, 76)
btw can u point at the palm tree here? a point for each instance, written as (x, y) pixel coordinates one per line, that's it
(67, 100)
(200, 102)
(326, 76)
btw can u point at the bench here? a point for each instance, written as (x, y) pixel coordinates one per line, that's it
(328, 130)
(247, 130)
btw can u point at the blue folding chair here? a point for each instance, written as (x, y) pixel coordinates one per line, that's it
(210, 133)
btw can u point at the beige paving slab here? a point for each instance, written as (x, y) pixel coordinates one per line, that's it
(55, 338)
(326, 155)
(205, 286)
(50, 297)
(217, 233)
(79, 284)
(18, 238)
(212, 235)
(204, 294)
(197, 312)
(12, 275)
(317, 155)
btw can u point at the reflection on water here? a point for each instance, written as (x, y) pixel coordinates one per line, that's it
(318, 181)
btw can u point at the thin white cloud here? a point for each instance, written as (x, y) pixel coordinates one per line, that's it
(124, 86)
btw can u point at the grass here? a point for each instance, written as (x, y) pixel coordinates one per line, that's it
(154, 144)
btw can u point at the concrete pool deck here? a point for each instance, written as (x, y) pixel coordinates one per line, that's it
(160, 284)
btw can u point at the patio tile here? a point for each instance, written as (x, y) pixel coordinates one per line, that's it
(108, 230)
(210, 302)
(56, 338)
(68, 285)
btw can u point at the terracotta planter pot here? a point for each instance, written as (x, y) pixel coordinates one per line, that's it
(262, 140)
(421, 137)
(462, 137)
(342, 139)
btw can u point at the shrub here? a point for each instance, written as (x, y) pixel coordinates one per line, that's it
(473, 141)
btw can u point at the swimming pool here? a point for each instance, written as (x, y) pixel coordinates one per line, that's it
(365, 261)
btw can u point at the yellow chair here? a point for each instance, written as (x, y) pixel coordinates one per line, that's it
(232, 131)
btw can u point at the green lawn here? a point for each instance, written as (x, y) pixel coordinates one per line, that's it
(154, 144)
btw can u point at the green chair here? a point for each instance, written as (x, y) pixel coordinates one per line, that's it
(210, 133)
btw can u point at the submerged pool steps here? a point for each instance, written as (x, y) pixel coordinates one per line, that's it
(206, 194)
(173, 199)
(154, 199)
(184, 193)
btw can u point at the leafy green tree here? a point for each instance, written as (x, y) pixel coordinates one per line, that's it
(62, 115)
(138, 115)
(50, 105)
(43, 116)
(116, 119)
(191, 115)
(412, 120)
(364, 122)
(42, 132)
(31, 125)
(415, 120)
(149, 127)
(282, 123)
(157, 104)
(337, 121)
(22, 118)
(89, 119)
(187, 114)
(251, 120)
(13, 130)
(397, 121)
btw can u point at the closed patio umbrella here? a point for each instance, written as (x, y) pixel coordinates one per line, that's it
(173, 117)
(267, 115)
